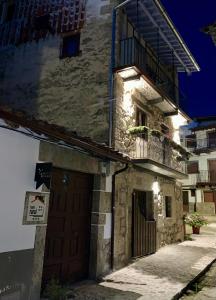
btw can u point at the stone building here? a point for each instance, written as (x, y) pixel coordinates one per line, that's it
(199, 189)
(107, 70)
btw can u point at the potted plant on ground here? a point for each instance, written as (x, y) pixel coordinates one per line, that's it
(196, 221)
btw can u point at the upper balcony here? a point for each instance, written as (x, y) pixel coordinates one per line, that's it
(159, 54)
(159, 154)
(134, 55)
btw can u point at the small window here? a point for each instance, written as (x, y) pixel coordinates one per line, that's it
(70, 46)
(168, 207)
(191, 141)
(192, 167)
(193, 193)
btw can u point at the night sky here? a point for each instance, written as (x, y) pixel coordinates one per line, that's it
(189, 17)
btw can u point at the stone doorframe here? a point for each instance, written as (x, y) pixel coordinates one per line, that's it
(100, 241)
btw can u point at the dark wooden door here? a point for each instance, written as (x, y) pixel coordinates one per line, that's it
(68, 228)
(143, 224)
(212, 170)
(210, 196)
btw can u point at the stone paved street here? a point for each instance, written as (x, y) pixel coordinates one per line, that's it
(205, 288)
(160, 276)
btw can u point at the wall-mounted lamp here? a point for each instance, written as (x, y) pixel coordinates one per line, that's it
(156, 187)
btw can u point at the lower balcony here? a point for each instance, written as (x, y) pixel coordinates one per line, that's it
(159, 155)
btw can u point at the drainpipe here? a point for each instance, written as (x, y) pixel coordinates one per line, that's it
(112, 66)
(113, 211)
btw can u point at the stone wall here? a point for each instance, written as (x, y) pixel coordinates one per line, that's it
(72, 92)
(206, 208)
(127, 98)
(169, 230)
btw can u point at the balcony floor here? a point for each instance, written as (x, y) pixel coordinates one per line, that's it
(159, 168)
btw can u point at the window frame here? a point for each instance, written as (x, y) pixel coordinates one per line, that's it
(64, 38)
(168, 207)
(197, 169)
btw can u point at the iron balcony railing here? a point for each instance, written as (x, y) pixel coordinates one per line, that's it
(197, 144)
(159, 151)
(206, 176)
(133, 53)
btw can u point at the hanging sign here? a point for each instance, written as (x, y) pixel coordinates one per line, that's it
(36, 208)
(43, 174)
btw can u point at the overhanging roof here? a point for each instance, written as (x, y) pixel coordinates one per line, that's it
(152, 22)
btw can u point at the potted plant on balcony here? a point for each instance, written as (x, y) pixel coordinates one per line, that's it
(196, 221)
(138, 129)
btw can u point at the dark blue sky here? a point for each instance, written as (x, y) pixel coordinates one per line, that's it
(189, 16)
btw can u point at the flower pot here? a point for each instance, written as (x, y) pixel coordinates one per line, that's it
(196, 230)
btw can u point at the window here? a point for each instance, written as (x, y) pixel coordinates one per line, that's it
(141, 120)
(70, 46)
(191, 141)
(193, 193)
(185, 201)
(168, 207)
(212, 139)
(192, 167)
(185, 198)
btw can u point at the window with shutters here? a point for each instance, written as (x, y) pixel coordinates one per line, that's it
(168, 207)
(192, 167)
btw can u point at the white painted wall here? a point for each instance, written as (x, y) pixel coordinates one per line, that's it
(18, 156)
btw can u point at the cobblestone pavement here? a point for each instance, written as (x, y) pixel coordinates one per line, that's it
(205, 288)
(160, 276)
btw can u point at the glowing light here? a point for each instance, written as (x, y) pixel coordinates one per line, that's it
(178, 121)
(156, 187)
(126, 73)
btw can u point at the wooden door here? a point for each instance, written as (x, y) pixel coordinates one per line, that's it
(68, 229)
(143, 224)
(208, 196)
(212, 170)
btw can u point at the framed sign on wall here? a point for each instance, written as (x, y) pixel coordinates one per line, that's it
(36, 208)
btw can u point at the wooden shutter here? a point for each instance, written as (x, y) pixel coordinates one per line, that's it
(192, 167)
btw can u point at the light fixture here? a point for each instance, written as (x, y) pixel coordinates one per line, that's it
(156, 187)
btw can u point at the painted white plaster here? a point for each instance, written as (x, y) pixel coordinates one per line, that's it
(108, 226)
(18, 156)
